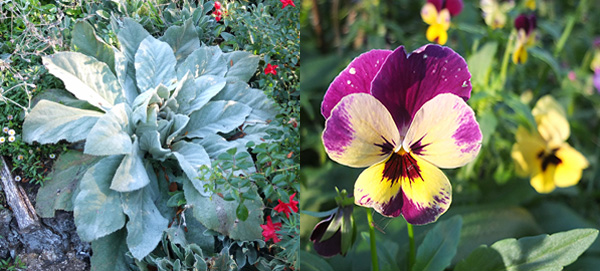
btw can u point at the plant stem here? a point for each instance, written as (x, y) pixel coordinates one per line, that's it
(507, 52)
(412, 255)
(374, 261)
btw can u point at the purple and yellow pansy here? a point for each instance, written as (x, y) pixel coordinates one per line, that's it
(494, 12)
(403, 116)
(525, 26)
(437, 13)
(544, 154)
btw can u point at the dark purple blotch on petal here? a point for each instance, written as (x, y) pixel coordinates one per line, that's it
(526, 22)
(406, 82)
(356, 78)
(468, 135)
(338, 133)
(417, 147)
(401, 166)
(420, 215)
(387, 147)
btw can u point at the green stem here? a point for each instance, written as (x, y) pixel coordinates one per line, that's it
(506, 57)
(412, 253)
(565, 35)
(374, 261)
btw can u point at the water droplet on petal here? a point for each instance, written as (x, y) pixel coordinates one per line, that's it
(459, 69)
(352, 71)
(348, 82)
(424, 56)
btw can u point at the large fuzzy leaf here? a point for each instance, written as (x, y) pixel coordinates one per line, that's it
(130, 37)
(179, 122)
(140, 106)
(439, 247)
(154, 64)
(57, 192)
(50, 122)
(112, 133)
(85, 41)
(217, 116)
(126, 76)
(191, 95)
(204, 61)
(183, 39)
(216, 144)
(242, 65)
(62, 97)
(97, 208)
(542, 252)
(87, 78)
(219, 215)
(191, 157)
(110, 253)
(131, 174)
(146, 224)
(263, 108)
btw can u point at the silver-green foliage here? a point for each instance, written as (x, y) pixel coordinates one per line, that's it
(153, 103)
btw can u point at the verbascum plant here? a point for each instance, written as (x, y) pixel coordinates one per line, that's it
(151, 113)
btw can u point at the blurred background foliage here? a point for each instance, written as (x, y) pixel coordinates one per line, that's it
(495, 203)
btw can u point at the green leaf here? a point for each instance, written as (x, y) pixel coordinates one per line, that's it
(480, 63)
(62, 97)
(242, 65)
(439, 247)
(146, 224)
(57, 193)
(98, 210)
(85, 41)
(111, 133)
(50, 122)
(241, 212)
(140, 106)
(130, 37)
(204, 61)
(312, 262)
(191, 157)
(154, 64)
(87, 78)
(183, 39)
(545, 56)
(179, 123)
(125, 72)
(109, 252)
(191, 95)
(131, 173)
(215, 117)
(219, 215)
(542, 252)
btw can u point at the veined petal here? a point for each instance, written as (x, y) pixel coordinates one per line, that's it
(568, 171)
(405, 83)
(436, 33)
(360, 131)
(526, 151)
(356, 78)
(404, 184)
(429, 13)
(444, 132)
(552, 121)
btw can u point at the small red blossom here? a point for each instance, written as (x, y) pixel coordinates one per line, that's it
(218, 5)
(271, 69)
(270, 230)
(287, 2)
(287, 208)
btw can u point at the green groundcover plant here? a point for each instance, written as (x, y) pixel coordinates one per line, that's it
(151, 114)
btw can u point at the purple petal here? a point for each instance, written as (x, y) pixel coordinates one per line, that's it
(329, 247)
(454, 6)
(405, 83)
(437, 3)
(355, 78)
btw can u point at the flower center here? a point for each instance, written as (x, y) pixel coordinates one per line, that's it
(548, 159)
(401, 164)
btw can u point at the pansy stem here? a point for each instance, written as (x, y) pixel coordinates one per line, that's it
(506, 57)
(374, 261)
(412, 255)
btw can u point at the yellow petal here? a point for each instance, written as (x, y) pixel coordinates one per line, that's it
(543, 181)
(429, 13)
(530, 4)
(568, 171)
(443, 19)
(551, 120)
(520, 54)
(526, 151)
(437, 33)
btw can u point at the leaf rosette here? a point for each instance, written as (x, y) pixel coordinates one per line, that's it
(153, 111)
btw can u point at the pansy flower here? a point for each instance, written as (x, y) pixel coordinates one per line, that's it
(437, 13)
(271, 69)
(494, 12)
(525, 25)
(335, 234)
(544, 154)
(270, 230)
(287, 208)
(403, 116)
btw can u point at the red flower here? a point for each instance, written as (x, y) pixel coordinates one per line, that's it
(271, 69)
(287, 208)
(270, 230)
(218, 5)
(287, 2)
(218, 14)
